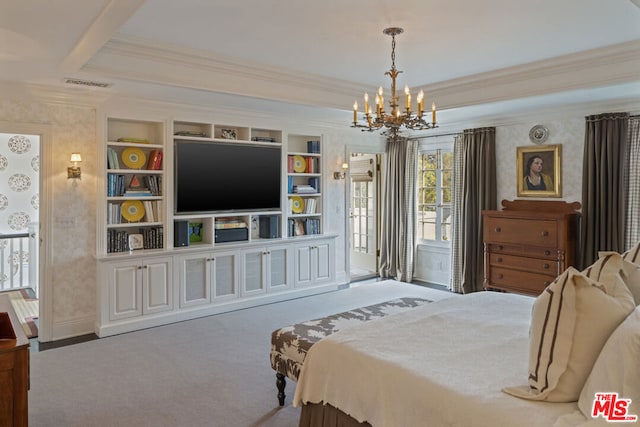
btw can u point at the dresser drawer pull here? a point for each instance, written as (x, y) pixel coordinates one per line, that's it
(499, 259)
(500, 247)
(544, 233)
(497, 229)
(547, 253)
(500, 276)
(545, 266)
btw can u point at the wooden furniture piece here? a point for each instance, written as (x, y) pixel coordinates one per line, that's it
(528, 244)
(14, 368)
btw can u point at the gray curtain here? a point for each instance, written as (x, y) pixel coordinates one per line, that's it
(476, 188)
(603, 200)
(397, 243)
(457, 235)
(632, 182)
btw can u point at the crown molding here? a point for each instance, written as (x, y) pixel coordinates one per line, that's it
(140, 60)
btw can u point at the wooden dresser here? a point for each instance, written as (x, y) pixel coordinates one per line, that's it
(14, 368)
(528, 244)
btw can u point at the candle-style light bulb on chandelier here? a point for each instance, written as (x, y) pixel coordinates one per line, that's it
(398, 117)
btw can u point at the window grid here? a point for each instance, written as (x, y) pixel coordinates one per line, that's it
(362, 216)
(434, 195)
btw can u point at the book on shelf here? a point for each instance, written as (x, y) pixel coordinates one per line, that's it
(115, 185)
(313, 146)
(290, 185)
(290, 163)
(304, 189)
(133, 140)
(310, 206)
(148, 211)
(231, 224)
(315, 183)
(138, 193)
(155, 160)
(112, 159)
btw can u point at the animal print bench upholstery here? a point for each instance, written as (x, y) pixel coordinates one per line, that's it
(289, 345)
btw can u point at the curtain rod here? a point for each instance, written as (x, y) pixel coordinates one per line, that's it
(435, 136)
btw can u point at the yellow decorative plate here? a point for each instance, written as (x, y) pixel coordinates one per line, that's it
(297, 204)
(133, 158)
(299, 164)
(132, 210)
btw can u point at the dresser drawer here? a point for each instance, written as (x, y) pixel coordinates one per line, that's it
(536, 265)
(519, 281)
(521, 231)
(521, 250)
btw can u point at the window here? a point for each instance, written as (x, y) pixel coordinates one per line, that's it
(434, 194)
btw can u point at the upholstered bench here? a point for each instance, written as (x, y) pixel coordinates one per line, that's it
(289, 345)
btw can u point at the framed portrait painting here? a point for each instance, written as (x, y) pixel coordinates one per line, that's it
(539, 172)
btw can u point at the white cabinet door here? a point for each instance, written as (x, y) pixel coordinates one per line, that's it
(279, 268)
(225, 275)
(157, 287)
(125, 291)
(255, 266)
(314, 263)
(140, 287)
(195, 279)
(322, 257)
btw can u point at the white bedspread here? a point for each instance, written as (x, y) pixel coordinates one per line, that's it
(444, 363)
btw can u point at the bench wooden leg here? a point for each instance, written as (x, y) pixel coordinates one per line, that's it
(281, 383)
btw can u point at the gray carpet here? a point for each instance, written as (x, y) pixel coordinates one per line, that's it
(212, 371)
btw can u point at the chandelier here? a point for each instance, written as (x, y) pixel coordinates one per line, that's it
(397, 117)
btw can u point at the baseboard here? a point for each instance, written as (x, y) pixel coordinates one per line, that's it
(72, 328)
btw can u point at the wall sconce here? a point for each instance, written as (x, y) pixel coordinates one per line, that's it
(74, 171)
(343, 174)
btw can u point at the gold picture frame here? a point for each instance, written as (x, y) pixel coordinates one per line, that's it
(546, 182)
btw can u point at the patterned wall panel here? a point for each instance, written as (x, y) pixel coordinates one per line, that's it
(19, 202)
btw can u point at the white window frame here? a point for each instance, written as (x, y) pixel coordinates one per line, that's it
(428, 148)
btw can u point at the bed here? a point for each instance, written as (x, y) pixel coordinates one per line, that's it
(447, 363)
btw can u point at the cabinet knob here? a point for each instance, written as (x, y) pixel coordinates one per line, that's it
(139, 267)
(145, 266)
(547, 253)
(499, 259)
(497, 229)
(500, 276)
(500, 247)
(545, 266)
(544, 233)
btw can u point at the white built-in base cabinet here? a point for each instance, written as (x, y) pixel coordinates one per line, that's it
(314, 264)
(138, 290)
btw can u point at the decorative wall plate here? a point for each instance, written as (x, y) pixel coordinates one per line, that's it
(297, 204)
(299, 164)
(133, 158)
(132, 210)
(538, 134)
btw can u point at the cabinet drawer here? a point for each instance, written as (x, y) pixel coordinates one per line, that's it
(520, 250)
(521, 231)
(536, 265)
(521, 281)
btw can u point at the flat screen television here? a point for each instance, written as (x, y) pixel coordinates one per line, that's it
(213, 177)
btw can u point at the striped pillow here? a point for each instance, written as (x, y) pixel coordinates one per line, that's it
(570, 323)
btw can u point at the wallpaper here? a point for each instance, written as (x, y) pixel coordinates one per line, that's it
(19, 203)
(72, 274)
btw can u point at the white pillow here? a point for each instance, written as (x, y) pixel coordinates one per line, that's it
(633, 254)
(617, 368)
(570, 323)
(611, 263)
